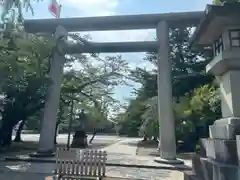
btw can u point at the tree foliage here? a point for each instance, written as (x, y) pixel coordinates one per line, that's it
(13, 9)
(24, 65)
(195, 98)
(218, 2)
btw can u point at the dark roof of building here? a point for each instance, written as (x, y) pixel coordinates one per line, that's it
(211, 12)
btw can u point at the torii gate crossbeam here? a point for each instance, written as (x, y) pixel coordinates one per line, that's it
(106, 23)
(113, 47)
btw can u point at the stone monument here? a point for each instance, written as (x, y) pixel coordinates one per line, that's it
(80, 136)
(218, 158)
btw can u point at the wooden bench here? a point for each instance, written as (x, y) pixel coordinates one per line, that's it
(80, 164)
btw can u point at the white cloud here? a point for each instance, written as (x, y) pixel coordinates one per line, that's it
(92, 7)
(105, 8)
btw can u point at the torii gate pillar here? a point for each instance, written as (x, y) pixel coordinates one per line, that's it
(48, 123)
(165, 101)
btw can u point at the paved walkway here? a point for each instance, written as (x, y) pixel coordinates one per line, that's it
(39, 171)
(123, 152)
(128, 146)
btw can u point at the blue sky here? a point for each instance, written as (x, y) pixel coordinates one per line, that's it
(83, 8)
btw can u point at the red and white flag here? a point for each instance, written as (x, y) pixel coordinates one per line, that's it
(54, 8)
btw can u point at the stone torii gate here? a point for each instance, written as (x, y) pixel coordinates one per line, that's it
(162, 23)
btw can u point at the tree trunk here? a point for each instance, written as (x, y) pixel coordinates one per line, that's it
(145, 137)
(93, 136)
(6, 136)
(6, 133)
(19, 131)
(56, 133)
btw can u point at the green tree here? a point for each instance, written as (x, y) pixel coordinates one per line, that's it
(188, 72)
(24, 63)
(130, 121)
(93, 86)
(188, 66)
(10, 7)
(218, 2)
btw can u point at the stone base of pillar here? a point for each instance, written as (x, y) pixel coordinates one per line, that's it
(47, 154)
(168, 161)
(219, 154)
(225, 128)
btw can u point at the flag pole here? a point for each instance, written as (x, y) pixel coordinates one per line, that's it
(59, 11)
